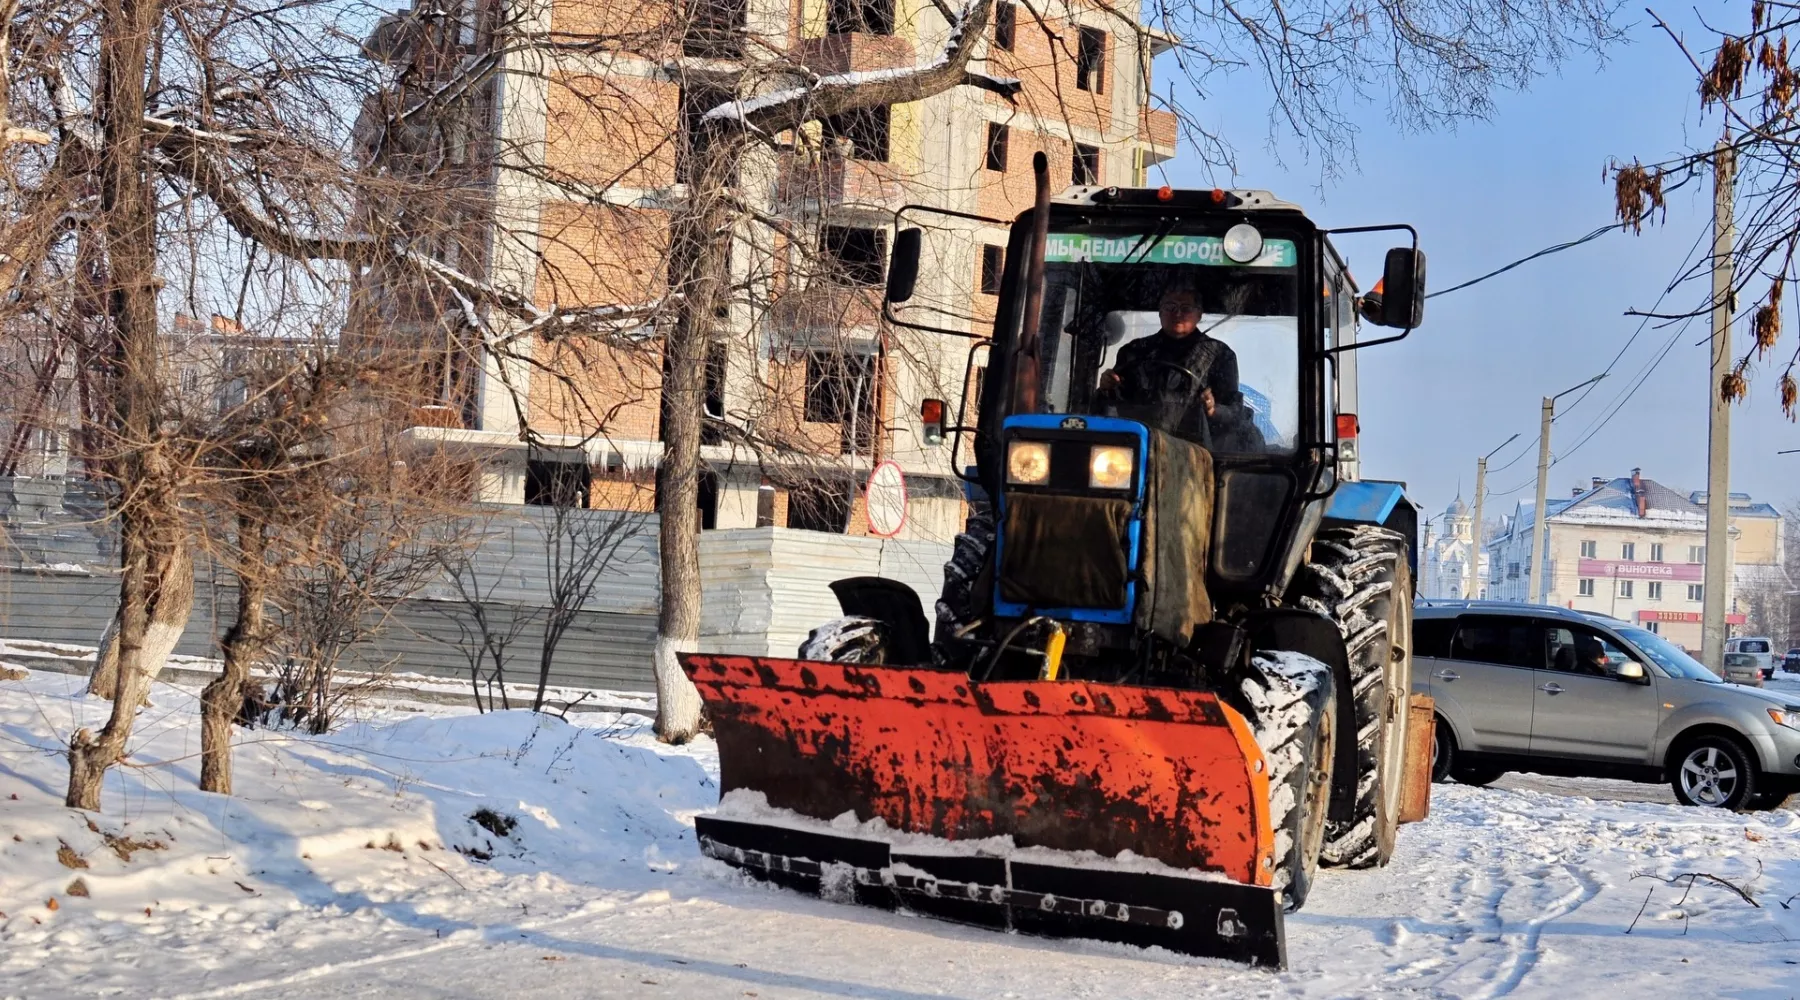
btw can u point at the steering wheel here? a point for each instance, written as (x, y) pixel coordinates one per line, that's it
(1197, 385)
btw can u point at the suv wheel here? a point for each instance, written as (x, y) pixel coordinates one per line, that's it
(1714, 771)
(1443, 750)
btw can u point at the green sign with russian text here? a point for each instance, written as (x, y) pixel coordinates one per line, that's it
(1080, 248)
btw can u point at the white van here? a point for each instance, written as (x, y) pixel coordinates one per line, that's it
(1762, 649)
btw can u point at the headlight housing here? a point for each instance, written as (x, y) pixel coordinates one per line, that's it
(1110, 467)
(1788, 718)
(1028, 463)
(1243, 243)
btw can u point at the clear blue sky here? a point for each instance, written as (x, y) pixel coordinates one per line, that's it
(1491, 192)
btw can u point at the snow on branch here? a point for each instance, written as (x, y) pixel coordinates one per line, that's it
(825, 96)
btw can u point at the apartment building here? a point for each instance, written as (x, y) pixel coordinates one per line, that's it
(1632, 548)
(808, 387)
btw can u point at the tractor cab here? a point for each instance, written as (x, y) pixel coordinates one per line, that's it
(1167, 406)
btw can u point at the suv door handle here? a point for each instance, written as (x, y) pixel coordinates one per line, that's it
(1447, 675)
(1551, 688)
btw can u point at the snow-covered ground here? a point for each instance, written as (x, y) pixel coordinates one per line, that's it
(348, 865)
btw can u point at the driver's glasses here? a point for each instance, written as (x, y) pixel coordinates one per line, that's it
(1180, 308)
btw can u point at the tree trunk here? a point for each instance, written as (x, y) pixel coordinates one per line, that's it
(699, 241)
(223, 698)
(151, 537)
(153, 558)
(168, 620)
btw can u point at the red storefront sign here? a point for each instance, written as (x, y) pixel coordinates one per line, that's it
(1643, 570)
(1683, 616)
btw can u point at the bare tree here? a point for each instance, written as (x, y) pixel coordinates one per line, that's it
(581, 546)
(1751, 82)
(486, 628)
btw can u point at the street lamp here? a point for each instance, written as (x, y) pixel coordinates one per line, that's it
(1541, 540)
(1474, 588)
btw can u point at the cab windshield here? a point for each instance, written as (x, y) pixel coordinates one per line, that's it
(1667, 655)
(1168, 329)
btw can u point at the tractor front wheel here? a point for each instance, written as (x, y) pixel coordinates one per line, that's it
(1290, 701)
(1358, 577)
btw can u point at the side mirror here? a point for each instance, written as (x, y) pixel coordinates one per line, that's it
(1630, 670)
(903, 269)
(1403, 289)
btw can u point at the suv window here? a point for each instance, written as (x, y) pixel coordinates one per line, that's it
(1576, 650)
(1431, 636)
(1495, 639)
(1754, 646)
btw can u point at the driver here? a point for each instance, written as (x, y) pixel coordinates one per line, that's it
(1150, 372)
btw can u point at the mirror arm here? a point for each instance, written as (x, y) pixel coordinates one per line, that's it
(1390, 227)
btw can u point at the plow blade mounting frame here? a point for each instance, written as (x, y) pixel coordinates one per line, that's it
(1190, 916)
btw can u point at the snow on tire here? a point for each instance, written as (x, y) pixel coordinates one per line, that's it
(1289, 699)
(1358, 578)
(854, 639)
(956, 606)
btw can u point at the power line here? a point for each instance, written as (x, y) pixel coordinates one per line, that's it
(1558, 248)
(1588, 432)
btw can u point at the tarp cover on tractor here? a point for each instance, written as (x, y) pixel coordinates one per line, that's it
(1171, 775)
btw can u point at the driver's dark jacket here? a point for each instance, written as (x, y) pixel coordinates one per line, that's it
(1144, 381)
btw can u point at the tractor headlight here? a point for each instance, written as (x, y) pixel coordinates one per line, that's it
(1243, 243)
(1028, 463)
(1110, 466)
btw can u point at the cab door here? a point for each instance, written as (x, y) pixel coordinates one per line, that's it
(1484, 685)
(1582, 709)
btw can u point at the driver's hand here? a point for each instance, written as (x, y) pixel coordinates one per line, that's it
(1110, 380)
(1206, 399)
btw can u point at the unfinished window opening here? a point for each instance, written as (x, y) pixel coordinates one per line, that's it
(1090, 61)
(711, 432)
(993, 262)
(840, 389)
(696, 102)
(858, 256)
(557, 484)
(714, 28)
(864, 131)
(1006, 21)
(820, 506)
(996, 146)
(873, 17)
(1085, 167)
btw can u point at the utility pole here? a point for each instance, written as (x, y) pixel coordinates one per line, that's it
(1540, 535)
(1473, 591)
(1718, 438)
(1536, 588)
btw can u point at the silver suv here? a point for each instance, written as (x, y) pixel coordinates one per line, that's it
(1522, 687)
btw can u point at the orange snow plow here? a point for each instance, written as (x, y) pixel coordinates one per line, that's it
(1167, 786)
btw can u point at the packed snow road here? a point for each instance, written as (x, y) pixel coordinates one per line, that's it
(349, 866)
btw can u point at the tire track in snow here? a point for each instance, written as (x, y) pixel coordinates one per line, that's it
(1524, 946)
(461, 938)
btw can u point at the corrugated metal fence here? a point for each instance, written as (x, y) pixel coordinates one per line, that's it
(764, 589)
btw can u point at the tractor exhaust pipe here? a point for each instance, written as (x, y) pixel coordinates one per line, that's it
(1027, 353)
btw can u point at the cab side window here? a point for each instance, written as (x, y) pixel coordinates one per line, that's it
(1503, 640)
(1571, 649)
(1431, 636)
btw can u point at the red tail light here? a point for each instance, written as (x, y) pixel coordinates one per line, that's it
(1347, 426)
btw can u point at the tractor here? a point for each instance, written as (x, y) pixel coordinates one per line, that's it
(1169, 676)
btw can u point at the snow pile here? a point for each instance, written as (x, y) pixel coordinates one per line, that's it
(355, 865)
(387, 831)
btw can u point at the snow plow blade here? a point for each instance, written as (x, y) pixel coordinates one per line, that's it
(1171, 776)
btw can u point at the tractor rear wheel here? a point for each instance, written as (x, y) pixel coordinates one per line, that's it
(960, 603)
(1290, 701)
(1358, 577)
